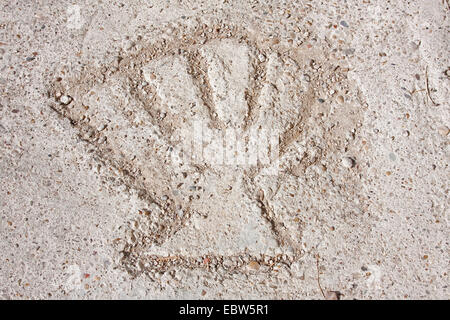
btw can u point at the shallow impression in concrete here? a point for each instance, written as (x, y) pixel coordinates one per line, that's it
(228, 150)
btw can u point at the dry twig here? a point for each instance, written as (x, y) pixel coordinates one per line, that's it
(428, 88)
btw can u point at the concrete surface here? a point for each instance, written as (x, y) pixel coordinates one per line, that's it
(107, 192)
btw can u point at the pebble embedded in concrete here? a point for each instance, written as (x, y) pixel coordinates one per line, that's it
(253, 265)
(65, 99)
(443, 131)
(348, 162)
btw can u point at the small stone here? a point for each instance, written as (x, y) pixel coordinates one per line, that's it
(253, 265)
(344, 24)
(348, 162)
(128, 45)
(350, 135)
(65, 99)
(332, 295)
(340, 99)
(443, 131)
(228, 263)
(447, 72)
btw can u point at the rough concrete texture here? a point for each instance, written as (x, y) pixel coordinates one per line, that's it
(97, 97)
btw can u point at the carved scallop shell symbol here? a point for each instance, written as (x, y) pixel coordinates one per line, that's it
(141, 110)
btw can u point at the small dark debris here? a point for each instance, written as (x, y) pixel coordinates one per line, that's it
(344, 24)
